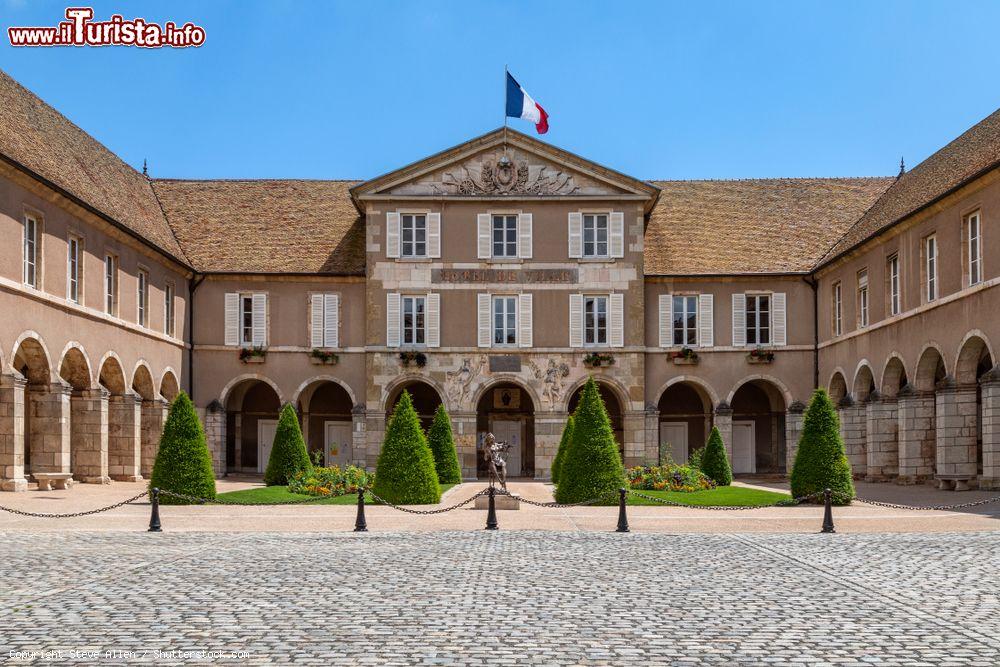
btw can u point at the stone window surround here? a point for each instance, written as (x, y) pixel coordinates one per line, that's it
(29, 212)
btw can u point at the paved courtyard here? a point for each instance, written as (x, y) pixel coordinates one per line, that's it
(508, 597)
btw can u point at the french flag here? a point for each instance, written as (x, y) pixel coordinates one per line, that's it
(520, 105)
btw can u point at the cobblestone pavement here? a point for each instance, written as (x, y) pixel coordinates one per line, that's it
(509, 597)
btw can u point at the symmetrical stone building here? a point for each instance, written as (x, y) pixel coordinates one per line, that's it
(494, 277)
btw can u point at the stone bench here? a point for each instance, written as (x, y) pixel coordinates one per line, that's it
(46, 480)
(953, 482)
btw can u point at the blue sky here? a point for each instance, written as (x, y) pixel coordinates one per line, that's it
(657, 90)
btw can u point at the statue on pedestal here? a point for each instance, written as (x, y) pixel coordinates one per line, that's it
(495, 455)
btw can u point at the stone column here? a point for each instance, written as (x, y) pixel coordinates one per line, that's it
(724, 422)
(917, 441)
(154, 415)
(214, 419)
(793, 430)
(955, 421)
(853, 430)
(652, 434)
(634, 423)
(882, 428)
(49, 422)
(990, 384)
(12, 433)
(375, 423)
(125, 438)
(359, 436)
(548, 432)
(89, 433)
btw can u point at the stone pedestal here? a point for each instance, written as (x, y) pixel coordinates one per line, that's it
(917, 439)
(89, 433)
(853, 431)
(990, 384)
(124, 438)
(49, 428)
(724, 422)
(511, 502)
(154, 415)
(881, 433)
(956, 417)
(12, 433)
(214, 420)
(793, 431)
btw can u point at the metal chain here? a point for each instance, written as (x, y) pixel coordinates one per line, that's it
(437, 511)
(46, 515)
(558, 505)
(791, 502)
(940, 508)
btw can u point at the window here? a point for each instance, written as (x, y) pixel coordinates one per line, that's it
(413, 321)
(505, 236)
(685, 311)
(111, 285)
(930, 267)
(758, 319)
(73, 270)
(246, 320)
(838, 309)
(142, 298)
(975, 250)
(595, 320)
(892, 273)
(504, 320)
(168, 309)
(595, 235)
(414, 230)
(31, 250)
(863, 298)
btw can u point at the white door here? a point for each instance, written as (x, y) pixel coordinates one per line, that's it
(744, 447)
(337, 443)
(509, 431)
(674, 439)
(266, 428)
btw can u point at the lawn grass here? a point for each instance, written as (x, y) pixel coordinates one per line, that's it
(281, 494)
(722, 496)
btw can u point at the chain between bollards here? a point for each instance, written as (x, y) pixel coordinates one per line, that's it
(828, 512)
(622, 516)
(154, 514)
(360, 524)
(491, 515)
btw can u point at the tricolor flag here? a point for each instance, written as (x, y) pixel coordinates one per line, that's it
(520, 105)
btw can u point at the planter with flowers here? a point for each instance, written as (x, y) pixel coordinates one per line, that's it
(253, 355)
(759, 355)
(320, 357)
(411, 358)
(598, 360)
(684, 357)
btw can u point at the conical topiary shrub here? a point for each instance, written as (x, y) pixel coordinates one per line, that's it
(442, 445)
(820, 462)
(183, 462)
(592, 467)
(288, 453)
(714, 462)
(405, 473)
(564, 443)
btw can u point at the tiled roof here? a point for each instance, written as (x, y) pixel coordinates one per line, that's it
(781, 225)
(266, 226)
(976, 150)
(44, 141)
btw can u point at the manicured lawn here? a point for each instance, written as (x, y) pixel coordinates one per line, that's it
(723, 495)
(280, 494)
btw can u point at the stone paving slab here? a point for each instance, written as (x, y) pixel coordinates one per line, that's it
(529, 597)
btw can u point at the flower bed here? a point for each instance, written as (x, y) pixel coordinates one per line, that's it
(330, 481)
(669, 477)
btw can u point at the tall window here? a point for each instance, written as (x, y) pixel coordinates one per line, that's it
(31, 250)
(863, 298)
(111, 284)
(838, 309)
(595, 320)
(930, 267)
(595, 235)
(505, 236)
(413, 228)
(892, 272)
(246, 320)
(142, 298)
(685, 320)
(73, 270)
(758, 319)
(168, 309)
(505, 320)
(413, 320)
(974, 233)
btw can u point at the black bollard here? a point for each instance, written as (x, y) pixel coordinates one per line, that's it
(360, 525)
(154, 515)
(622, 516)
(491, 514)
(828, 512)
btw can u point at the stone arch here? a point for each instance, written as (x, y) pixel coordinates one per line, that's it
(142, 381)
(248, 401)
(691, 379)
(318, 379)
(930, 368)
(74, 368)
(30, 357)
(169, 387)
(426, 397)
(615, 387)
(759, 405)
(894, 375)
(498, 378)
(973, 351)
(837, 385)
(864, 381)
(512, 421)
(239, 379)
(111, 375)
(390, 390)
(613, 404)
(686, 410)
(778, 384)
(326, 409)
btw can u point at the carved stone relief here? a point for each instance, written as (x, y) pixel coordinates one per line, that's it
(459, 381)
(552, 378)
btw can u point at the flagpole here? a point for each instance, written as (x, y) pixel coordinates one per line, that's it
(505, 109)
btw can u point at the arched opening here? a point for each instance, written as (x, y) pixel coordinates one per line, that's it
(758, 428)
(507, 411)
(124, 423)
(838, 387)
(613, 407)
(685, 420)
(893, 377)
(930, 369)
(43, 410)
(142, 383)
(974, 361)
(425, 401)
(325, 407)
(74, 369)
(252, 408)
(918, 419)
(169, 387)
(864, 384)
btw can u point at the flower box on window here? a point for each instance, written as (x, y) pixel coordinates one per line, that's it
(322, 358)
(684, 357)
(409, 358)
(598, 360)
(759, 355)
(253, 355)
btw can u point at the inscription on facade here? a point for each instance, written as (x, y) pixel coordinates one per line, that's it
(505, 276)
(505, 363)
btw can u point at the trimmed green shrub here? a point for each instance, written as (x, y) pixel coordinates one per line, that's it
(820, 462)
(694, 458)
(405, 473)
(714, 462)
(288, 453)
(183, 462)
(442, 445)
(564, 443)
(592, 467)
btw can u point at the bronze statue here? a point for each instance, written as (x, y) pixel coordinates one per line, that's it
(495, 455)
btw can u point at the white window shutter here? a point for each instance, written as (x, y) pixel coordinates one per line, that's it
(232, 318)
(525, 336)
(316, 312)
(392, 319)
(484, 317)
(259, 319)
(524, 236)
(331, 315)
(616, 234)
(485, 239)
(778, 318)
(392, 234)
(739, 320)
(666, 320)
(576, 320)
(576, 235)
(432, 320)
(433, 234)
(706, 320)
(616, 323)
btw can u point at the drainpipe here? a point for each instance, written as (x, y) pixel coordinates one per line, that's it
(812, 282)
(193, 284)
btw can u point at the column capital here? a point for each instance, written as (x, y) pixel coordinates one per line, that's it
(846, 401)
(13, 381)
(991, 377)
(723, 408)
(797, 408)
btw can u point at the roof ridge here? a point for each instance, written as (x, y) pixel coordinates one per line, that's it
(772, 178)
(257, 180)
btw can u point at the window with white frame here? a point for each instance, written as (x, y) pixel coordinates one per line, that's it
(246, 320)
(505, 235)
(595, 320)
(758, 319)
(168, 309)
(930, 268)
(504, 321)
(595, 235)
(413, 229)
(31, 235)
(892, 273)
(73, 270)
(111, 284)
(685, 324)
(863, 298)
(413, 321)
(973, 231)
(838, 309)
(142, 298)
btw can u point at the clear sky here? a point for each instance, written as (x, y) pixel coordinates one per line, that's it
(657, 89)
